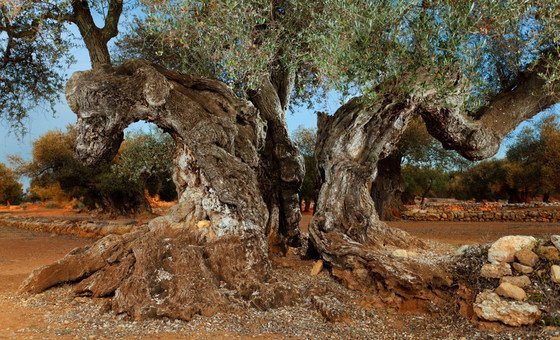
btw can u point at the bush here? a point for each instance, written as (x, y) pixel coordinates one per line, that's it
(10, 188)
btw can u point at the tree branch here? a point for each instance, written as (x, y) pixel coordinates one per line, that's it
(481, 138)
(110, 30)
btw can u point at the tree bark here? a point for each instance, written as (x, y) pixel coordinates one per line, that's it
(211, 250)
(96, 38)
(282, 166)
(346, 230)
(388, 187)
(480, 137)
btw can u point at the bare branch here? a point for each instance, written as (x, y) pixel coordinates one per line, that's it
(110, 30)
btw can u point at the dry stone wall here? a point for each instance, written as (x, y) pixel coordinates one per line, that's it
(483, 213)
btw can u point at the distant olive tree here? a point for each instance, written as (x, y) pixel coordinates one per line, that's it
(10, 188)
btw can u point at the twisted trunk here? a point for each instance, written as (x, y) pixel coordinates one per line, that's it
(480, 137)
(282, 167)
(346, 230)
(211, 250)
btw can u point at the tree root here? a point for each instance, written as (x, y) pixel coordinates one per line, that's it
(166, 272)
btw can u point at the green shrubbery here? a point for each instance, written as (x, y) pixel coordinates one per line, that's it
(143, 163)
(10, 188)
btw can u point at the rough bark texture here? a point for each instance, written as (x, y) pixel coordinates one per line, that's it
(388, 187)
(282, 166)
(480, 138)
(96, 38)
(346, 230)
(211, 249)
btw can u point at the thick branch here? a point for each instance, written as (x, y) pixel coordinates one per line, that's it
(479, 139)
(110, 30)
(96, 38)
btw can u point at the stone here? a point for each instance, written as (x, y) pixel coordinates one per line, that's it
(462, 250)
(522, 268)
(203, 224)
(519, 281)
(317, 267)
(504, 249)
(495, 271)
(549, 253)
(403, 253)
(555, 273)
(510, 291)
(527, 257)
(556, 241)
(489, 306)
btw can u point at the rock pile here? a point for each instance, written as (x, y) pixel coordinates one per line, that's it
(508, 303)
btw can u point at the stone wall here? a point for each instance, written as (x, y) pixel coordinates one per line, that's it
(90, 229)
(482, 216)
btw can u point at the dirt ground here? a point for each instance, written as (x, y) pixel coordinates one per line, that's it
(56, 314)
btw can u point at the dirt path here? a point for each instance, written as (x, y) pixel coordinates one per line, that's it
(458, 233)
(21, 251)
(56, 314)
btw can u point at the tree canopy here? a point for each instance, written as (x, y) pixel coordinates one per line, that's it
(452, 54)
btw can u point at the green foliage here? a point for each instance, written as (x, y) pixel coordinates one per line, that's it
(531, 168)
(427, 166)
(34, 53)
(418, 148)
(10, 188)
(484, 181)
(425, 181)
(464, 50)
(143, 162)
(148, 159)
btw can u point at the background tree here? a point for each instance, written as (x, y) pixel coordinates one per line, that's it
(305, 139)
(426, 164)
(550, 136)
(527, 170)
(10, 188)
(143, 162)
(483, 181)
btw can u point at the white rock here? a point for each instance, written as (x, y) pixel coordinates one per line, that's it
(504, 249)
(556, 241)
(519, 281)
(495, 271)
(555, 273)
(489, 306)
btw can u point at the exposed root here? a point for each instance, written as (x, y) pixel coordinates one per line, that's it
(166, 272)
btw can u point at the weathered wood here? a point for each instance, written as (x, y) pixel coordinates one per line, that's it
(214, 240)
(346, 230)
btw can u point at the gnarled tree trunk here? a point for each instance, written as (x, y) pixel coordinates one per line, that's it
(211, 249)
(282, 167)
(346, 230)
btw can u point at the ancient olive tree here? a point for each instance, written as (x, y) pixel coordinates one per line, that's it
(236, 170)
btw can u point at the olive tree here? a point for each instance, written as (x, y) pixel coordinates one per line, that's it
(471, 69)
(10, 188)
